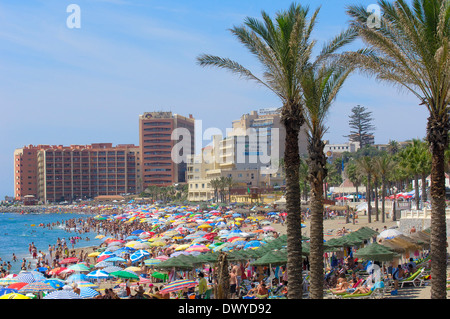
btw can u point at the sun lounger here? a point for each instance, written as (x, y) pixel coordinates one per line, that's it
(377, 291)
(413, 279)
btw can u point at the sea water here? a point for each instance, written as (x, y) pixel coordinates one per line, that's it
(17, 231)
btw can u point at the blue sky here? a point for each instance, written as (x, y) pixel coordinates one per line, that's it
(89, 85)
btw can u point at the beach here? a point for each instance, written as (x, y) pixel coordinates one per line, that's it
(121, 224)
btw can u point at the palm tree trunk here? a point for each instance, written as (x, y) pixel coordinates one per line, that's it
(369, 206)
(292, 120)
(437, 136)
(383, 199)
(317, 173)
(424, 188)
(416, 190)
(377, 217)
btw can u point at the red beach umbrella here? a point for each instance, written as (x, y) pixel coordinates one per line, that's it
(69, 260)
(17, 285)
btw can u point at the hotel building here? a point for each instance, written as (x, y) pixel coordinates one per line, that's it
(65, 173)
(163, 151)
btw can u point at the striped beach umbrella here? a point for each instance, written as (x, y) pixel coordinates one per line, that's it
(37, 286)
(25, 277)
(62, 294)
(111, 269)
(178, 285)
(79, 267)
(87, 293)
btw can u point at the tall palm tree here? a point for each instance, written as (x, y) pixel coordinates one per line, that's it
(283, 46)
(410, 160)
(303, 178)
(364, 164)
(354, 176)
(320, 83)
(384, 165)
(411, 49)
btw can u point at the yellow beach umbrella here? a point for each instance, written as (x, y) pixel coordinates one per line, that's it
(131, 243)
(99, 236)
(205, 226)
(133, 268)
(94, 254)
(158, 243)
(182, 247)
(14, 296)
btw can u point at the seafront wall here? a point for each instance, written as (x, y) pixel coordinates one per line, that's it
(420, 219)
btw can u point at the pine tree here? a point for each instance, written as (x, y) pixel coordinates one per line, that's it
(361, 126)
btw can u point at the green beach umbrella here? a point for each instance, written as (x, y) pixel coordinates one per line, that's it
(125, 274)
(376, 252)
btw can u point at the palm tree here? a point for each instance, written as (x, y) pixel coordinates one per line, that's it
(320, 83)
(364, 164)
(303, 178)
(410, 160)
(283, 46)
(215, 184)
(353, 175)
(384, 165)
(411, 49)
(229, 182)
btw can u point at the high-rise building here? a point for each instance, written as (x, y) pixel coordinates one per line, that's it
(165, 141)
(66, 173)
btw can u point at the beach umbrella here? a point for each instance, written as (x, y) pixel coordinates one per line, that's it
(159, 275)
(79, 267)
(376, 252)
(152, 262)
(114, 259)
(178, 285)
(140, 254)
(8, 281)
(62, 294)
(54, 282)
(137, 232)
(88, 293)
(69, 260)
(25, 277)
(94, 254)
(76, 277)
(98, 274)
(34, 287)
(197, 247)
(253, 244)
(111, 269)
(17, 285)
(103, 264)
(389, 234)
(84, 284)
(142, 245)
(14, 296)
(4, 291)
(125, 274)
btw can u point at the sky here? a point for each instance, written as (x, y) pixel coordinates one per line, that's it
(64, 86)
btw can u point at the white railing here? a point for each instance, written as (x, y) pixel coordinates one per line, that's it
(423, 214)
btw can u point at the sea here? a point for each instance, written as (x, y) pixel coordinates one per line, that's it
(17, 231)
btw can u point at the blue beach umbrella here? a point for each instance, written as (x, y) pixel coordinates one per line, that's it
(87, 293)
(253, 244)
(139, 255)
(137, 232)
(55, 283)
(62, 294)
(4, 291)
(25, 277)
(76, 277)
(98, 274)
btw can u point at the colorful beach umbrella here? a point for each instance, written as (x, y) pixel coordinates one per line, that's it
(88, 293)
(79, 267)
(178, 285)
(8, 281)
(5, 291)
(62, 294)
(37, 286)
(14, 296)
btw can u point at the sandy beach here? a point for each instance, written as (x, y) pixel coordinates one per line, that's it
(330, 226)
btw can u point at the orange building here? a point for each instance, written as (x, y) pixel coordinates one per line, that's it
(159, 164)
(66, 173)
